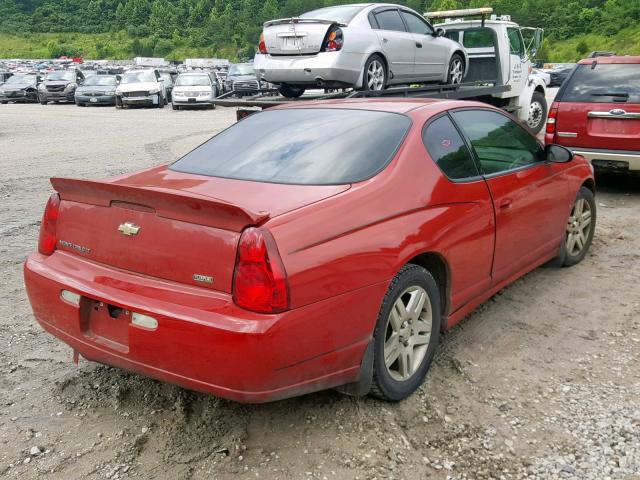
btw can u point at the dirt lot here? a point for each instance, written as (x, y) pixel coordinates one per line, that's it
(541, 382)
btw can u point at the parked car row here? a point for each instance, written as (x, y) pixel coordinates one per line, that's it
(144, 86)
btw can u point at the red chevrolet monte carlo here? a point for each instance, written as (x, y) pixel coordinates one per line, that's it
(308, 247)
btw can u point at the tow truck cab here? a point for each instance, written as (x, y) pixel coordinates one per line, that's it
(499, 53)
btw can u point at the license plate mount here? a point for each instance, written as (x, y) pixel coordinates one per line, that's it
(105, 324)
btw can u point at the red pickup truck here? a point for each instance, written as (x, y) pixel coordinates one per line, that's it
(596, 113)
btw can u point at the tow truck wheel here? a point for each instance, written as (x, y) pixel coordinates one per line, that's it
(290, 91)
(537, 112)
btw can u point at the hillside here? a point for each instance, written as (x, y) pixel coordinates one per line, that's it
(230, 28)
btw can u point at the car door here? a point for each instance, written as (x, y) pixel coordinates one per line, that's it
(517, 55)
(471, 232)
(432, 52)
(397, 44)
(530, 195)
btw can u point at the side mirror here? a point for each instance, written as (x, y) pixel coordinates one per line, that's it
(440, 32)
(557, 154)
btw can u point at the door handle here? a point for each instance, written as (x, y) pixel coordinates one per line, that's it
(418, 44)
(384, 40)
(506, 203)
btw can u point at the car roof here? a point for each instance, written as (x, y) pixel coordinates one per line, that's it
(611, 59)
(392, 105)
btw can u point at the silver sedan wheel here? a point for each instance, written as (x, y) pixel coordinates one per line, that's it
(535, 115)
(578, 227)
(408, 333)
(455, 71)
(375, 75)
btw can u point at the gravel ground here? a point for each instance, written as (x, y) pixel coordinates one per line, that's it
(542, 382)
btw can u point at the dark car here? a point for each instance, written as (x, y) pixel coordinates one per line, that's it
(21, 87)
(60, 85)
(560, 74)
(242, 79)
(97, 90)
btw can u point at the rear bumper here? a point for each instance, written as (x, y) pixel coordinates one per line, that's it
(322, 69)
(203, 341)
(610, 160)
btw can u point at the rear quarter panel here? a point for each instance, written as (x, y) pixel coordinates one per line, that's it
(364, 236)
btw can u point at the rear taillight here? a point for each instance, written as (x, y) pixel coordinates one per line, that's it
(262, 47)
(260, 281)
(551, 119)
(48, 239)
(334, 40)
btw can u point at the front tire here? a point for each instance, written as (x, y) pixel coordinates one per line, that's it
(455, 73)
(406, 334)
(160, 101)
(581, 226)
(537, 112)
(374, 76)
(290, 91)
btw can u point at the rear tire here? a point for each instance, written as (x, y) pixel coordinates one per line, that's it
(537, 112)
(290, 91)
(375, 75)
(406, 334)
(456, 70)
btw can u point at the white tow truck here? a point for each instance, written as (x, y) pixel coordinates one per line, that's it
(499, 70)
(498, 52)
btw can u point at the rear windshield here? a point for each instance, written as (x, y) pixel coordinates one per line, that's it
(301, 146)
(340, 14)
(606, 83)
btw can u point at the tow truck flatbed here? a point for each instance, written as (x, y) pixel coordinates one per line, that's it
(269, 98)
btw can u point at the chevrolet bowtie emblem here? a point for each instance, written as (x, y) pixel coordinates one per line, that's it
(129, 229)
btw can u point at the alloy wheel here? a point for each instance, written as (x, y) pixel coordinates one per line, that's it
(375, 75)
(455, 71)
(578, 227)
(408, 333)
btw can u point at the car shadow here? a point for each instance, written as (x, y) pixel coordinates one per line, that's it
(618, 183)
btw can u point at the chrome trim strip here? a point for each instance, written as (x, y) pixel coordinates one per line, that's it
(613, 115)
(567, 134)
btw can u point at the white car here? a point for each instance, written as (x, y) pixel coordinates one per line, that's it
(141, 87)
(541, 74)
(364, 46)
(196, 89)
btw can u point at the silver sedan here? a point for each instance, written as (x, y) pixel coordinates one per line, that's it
(364, 46)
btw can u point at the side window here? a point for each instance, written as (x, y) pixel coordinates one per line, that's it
(500, 143)
(416, 24)
(390, 20)
(448, 150)
(453, 35)
(516, 45)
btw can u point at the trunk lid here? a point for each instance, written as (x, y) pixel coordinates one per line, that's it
(169, 225)
(295, 36)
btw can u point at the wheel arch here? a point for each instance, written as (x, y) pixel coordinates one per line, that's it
(590, 184)
(438, 266)
(366, 59)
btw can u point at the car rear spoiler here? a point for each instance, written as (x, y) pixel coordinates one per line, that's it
(296, 20)
(167, 203)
